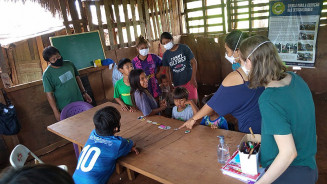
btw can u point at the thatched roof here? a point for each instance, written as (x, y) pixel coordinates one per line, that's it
(50, 5)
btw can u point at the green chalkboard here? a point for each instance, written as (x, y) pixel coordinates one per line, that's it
(80, 49)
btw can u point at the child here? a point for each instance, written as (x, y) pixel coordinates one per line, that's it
(149, 63)
(167, 95)
(184, 108)
(140, 95)
(213, 120)
(122, 87)
(179, 61)
(98, 158)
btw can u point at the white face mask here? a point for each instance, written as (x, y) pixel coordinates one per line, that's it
(144, 52)
(246, 71)
(231, 59)
(169, 45)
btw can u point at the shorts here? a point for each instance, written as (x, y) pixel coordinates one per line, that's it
(193, 92)
(298, 175)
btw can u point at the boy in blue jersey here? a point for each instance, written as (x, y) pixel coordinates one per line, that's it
(97, 160)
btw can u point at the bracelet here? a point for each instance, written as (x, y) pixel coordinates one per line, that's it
(84, 92)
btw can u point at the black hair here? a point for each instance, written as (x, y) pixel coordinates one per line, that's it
(163, 76)
(134, 81)
(49, 51)
(36, 174)
(165, 35)
(233, 37)
(206, 98)
(106, 120)
(122, 62)
(180, 93)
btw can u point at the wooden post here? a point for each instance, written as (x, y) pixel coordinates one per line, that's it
(109, 13)
(139, 6)
(162, 15)
(62, 4)
(155, 36)
(229, 19)
(186, 17)
(127, 23)
(204, 17)
(165, 11)
(119, 168)
(74, 15)
(103, 40)
(157, 17)
(250, 16)
(119, 26)
(148, 23)
(88, 15)
(133, 18)
(83, 14)
(130, 173)
(40, 49)
(223, 12)
(11, 59)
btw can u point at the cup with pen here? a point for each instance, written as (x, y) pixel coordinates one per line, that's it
(249, 153)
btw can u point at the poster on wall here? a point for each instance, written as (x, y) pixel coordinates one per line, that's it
(293, 28)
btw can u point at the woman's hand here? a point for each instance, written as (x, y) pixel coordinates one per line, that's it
(188, 124)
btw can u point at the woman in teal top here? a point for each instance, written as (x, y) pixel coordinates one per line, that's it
(288, 131)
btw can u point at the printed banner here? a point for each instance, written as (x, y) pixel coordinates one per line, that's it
(293, 28)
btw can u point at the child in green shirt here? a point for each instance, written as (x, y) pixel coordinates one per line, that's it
(122, 86)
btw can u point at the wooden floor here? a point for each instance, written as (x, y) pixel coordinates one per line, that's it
(65, 155)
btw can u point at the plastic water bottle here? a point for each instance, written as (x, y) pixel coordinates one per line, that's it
(222, 150)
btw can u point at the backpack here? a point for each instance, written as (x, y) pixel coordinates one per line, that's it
(9, 124)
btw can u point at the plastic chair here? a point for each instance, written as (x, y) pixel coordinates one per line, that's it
(71, 110)
(20, 154)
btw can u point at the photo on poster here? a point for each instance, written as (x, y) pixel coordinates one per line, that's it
(309, 26)
(289, 48)
(305, 46)
(278, 47)
(306, 36)
(307, 56)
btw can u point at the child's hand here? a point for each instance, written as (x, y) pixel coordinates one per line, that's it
(132, 109)
(213, 126)
(189, 102)
(163, 103)
(124, 108)
(135, 150)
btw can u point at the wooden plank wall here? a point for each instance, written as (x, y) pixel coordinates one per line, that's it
(118, 27)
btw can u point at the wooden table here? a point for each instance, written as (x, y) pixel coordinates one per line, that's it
(167, 156)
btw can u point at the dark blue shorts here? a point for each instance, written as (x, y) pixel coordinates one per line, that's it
(298, 175)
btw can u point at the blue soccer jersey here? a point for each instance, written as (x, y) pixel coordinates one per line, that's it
(97, 160)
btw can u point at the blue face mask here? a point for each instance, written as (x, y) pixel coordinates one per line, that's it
(235, 66)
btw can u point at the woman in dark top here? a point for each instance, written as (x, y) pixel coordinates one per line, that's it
(234, 97)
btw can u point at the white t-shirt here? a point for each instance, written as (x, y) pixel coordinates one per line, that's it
(184, 115)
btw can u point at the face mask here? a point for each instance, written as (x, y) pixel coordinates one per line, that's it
(59, 62)
(231, 59)
(144, 52)
(169, 45)
(246, 71)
